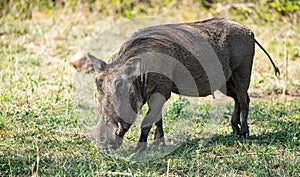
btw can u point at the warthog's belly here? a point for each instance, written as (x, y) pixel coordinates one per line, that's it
(195, 81)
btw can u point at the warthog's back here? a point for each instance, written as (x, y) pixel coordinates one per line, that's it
(206, 52)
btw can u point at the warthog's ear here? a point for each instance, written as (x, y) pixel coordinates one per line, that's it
(133, 67)
(98, 64)
(87, 63)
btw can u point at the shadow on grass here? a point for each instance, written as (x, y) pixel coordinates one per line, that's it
(285, 133)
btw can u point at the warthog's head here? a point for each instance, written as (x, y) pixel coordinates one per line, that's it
(119, 101)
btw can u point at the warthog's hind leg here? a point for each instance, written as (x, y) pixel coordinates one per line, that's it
(236, 89)
(244, 101)
(235, 117)
(239, 85)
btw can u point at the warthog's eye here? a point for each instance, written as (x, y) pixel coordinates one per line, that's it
(119, 86)
(119, 83)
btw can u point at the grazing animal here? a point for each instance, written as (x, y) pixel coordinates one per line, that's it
(191, 59)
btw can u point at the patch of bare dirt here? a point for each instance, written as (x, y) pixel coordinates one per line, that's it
(292, 95)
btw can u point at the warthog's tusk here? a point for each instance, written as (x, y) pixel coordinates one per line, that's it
(120, 130)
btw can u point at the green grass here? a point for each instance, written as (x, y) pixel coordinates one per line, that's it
(40, 132)
(54, 144)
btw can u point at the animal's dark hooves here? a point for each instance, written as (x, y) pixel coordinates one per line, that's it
(236, 130)
(158, 142)
(141, 147)
(243, 136)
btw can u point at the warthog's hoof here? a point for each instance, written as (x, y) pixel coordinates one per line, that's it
(157, 142)
(243, 135)
(244, 130)
(141, 146)
(236, 130)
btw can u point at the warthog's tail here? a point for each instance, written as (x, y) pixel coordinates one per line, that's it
(277, 72)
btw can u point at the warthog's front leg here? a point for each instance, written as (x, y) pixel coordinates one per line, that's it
(153, 116)
(159, 132)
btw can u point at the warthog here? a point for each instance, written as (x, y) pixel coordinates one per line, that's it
(191, 59)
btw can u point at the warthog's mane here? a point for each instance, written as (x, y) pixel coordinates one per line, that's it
(183, 34)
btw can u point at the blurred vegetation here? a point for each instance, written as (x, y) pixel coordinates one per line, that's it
(176, 109)
(268, 10)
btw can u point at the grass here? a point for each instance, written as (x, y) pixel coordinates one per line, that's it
(40, 133)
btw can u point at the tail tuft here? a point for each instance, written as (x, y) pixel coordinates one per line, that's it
(277, 72)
